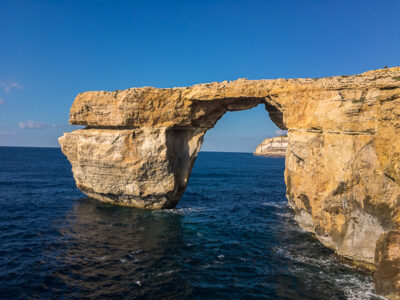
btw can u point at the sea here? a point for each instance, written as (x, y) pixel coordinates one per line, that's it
(232, 236)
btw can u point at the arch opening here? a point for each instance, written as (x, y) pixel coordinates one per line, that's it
(184, 144)
(240, 131)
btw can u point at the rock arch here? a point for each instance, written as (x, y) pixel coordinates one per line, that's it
(140, 144)
(342, 164)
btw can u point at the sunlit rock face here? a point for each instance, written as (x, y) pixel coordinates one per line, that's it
(143, 167)
(342, 162)
(275, 146)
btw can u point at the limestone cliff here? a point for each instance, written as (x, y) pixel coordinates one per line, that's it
(275, 146)
(342, 164)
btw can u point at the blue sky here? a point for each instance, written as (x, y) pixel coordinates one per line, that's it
(52, 50)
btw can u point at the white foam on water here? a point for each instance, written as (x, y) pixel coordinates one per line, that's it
(355, 289)
(179, 211)
(166, 273)
(274, 204)
(207, 266)
(100, 257)
(136, 252)
(284, 215)
(303, 259)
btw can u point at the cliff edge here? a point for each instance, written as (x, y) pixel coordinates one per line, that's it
(275, 146)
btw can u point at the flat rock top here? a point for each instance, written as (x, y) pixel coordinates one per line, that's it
(148, 106)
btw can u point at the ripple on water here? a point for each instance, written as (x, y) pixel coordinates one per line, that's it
(232, 236)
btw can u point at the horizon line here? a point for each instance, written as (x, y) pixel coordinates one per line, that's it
(55, 147)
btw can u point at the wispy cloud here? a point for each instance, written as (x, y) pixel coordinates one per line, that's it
(7, 86)
(42, 125)
(7, 132)
(279, 132)
(32, 125)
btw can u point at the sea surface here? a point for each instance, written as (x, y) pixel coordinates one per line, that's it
(232, 236)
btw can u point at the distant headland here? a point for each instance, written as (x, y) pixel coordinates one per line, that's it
(275, 146)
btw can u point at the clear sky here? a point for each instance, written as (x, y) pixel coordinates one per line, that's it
(52, 50)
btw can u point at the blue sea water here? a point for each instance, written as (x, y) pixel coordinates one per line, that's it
(232, 236)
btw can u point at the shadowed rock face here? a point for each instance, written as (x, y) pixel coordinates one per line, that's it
(387, 259)
(342, 164)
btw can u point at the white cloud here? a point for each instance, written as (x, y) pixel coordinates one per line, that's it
(7, 133)
(32, 125)
(279, 132)
(8, 86)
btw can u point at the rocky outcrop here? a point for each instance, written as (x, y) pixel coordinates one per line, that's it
(275, 146)
(342, 164)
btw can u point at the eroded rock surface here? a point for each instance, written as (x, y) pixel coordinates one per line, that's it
(275, 146)
(342, 163)
(142, 167)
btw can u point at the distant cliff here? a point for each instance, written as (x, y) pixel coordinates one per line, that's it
(272, 147)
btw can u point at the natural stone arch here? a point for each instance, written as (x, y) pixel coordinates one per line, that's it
(342, 165)
(126, 161)
(150, 138)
